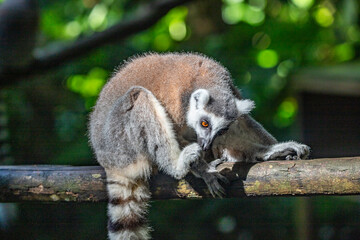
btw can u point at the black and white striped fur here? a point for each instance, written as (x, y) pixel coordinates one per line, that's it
(129, 149)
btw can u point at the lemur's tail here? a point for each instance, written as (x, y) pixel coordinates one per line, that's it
(127, 208)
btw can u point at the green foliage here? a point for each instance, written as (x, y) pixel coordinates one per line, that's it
(88, 86)
(261, 42)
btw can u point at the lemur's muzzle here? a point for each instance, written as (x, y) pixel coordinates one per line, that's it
(204, 143)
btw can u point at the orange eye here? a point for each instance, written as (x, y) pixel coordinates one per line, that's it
(204, 123)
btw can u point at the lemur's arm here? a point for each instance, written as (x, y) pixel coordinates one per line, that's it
(247, 141)
(201, 168)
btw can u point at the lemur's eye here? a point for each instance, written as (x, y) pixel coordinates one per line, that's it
(204, 123)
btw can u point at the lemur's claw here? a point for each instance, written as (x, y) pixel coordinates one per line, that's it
(214, 164)
(215, 188)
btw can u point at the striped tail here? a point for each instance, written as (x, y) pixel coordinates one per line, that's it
(127, 208)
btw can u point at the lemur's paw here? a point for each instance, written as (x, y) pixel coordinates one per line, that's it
(287, 151)
(212, 182)
(192, 153)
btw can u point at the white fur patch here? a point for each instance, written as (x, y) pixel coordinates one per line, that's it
(217, 123)
(141, 233)
(167, 128)
(193, 120)
(116, 190)
(200, 98)
(140, 169)
(120, 212)
(244, 106)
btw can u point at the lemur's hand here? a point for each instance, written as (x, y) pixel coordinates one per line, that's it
(287, 151)
(192, 153)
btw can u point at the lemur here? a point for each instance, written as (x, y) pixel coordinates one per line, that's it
(142, 120)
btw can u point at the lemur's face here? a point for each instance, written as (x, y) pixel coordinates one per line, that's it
(209, 125)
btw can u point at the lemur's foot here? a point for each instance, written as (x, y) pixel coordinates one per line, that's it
(213, 184)
(287, 151)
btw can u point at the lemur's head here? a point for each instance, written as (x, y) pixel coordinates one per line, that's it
(211, 115)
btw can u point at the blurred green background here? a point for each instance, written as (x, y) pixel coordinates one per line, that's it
(263, 43)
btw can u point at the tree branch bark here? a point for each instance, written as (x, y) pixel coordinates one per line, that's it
(146, 16)
(337, 176)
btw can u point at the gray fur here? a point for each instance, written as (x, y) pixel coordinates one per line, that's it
(137, 124)
(247, 141)
(228, 107)
(143, 118)
(125, 136)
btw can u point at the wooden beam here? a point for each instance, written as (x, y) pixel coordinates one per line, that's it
(329, 176)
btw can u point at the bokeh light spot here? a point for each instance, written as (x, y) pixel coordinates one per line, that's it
(233, 1)
(177, 29)
(260, 4)
(286, 112)
(306, 4)
(254, 16)
(97, 16)
(91, 87)
(227, 224)
(88, 85)
(233, 13)
(261, 40)
(73, 29)
(277, 83)
(324, 17)
(284, 68)
(353, 34)
(344, 52)
(267, 58)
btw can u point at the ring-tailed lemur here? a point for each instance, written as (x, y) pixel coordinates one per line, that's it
(139, 120)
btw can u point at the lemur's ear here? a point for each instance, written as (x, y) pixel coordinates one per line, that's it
(244, 106)
(200, 98)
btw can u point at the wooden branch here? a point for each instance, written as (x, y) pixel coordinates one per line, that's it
(337, 176)
(147, 16)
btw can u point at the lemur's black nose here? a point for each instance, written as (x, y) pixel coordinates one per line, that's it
(204, 143)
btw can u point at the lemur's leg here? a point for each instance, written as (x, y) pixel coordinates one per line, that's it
(286, 151)
(150, 131)
(137, 134)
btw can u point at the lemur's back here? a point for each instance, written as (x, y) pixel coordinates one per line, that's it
(170, 77)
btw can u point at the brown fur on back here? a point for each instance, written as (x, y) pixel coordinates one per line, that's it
(170, 77)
